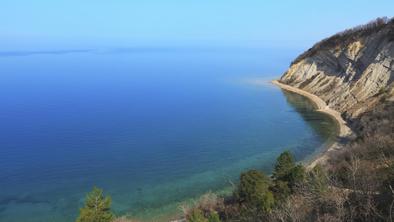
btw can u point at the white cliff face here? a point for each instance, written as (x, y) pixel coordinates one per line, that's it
(349, 77)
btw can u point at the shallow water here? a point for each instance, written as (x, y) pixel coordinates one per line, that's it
(151, 127)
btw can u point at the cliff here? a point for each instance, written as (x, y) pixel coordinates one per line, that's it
(351, 71)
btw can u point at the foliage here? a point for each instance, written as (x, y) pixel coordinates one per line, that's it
(347, 36)
(253, 190)
(97, 208)
(281, 191)
(284, 164)
(318, 179)
(214, 217)
(296, 176)
(209, 202)
(286, 171)
(196, 216)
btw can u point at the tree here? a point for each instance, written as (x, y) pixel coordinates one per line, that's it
(296, 175)
(287, 171)
(284, 164)
(281, 191)
(97, 208)
(253, 190)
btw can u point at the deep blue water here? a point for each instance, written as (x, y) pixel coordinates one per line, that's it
(150, 127)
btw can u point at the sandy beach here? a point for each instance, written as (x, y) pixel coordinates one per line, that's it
(344, 130)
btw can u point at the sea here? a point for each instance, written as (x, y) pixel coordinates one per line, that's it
(154, 127)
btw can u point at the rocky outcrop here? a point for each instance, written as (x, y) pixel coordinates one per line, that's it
(351, 71)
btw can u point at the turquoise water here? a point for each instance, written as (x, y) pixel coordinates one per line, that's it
(152, 127)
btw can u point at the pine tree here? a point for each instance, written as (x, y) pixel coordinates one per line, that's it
(287, 172)
(284, 164)
(97, 208)
(253, 191)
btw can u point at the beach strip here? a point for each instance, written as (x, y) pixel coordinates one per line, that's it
(344, 130)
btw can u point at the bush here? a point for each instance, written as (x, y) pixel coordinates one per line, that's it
(196, 216)
(287, 171)
(253, 191)
(347, 36)
(296, 176)
(208, 205)
(97, 208)
(281, 191)
(284, 164)
(318, 179)
(214, 217)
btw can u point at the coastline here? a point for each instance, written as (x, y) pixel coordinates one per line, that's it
(326, 150)
(343, 132)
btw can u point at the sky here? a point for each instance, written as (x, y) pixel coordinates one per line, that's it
(48, 24)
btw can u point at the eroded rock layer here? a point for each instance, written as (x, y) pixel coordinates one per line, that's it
(351, 71)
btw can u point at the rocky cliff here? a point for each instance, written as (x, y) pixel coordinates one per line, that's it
(351, 71)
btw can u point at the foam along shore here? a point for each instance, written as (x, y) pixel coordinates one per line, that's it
(344, 131)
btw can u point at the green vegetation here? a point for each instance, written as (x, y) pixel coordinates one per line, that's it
(286, 176)
(214, 217)
(197, 216)
(205, 209)
(287, 172)
(97, 208)
(284, 164)
(255, 198)
(318, 179)
(349, 35)
(253, 191)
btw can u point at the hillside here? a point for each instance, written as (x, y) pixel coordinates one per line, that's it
(351, 70)
(353, 73)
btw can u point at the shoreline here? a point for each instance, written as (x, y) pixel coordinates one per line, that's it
(343, 132)
(325, 150)
(321, 156)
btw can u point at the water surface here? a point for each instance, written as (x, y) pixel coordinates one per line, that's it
(151, 127)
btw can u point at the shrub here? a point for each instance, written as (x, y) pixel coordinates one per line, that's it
(207, 204)
(196, 216)
(347, 36)
(97, 208)
(318, 179)
(287, 171)
(253, 191)
(284, 164)
(296, 176)
(214, 217)
(281, 191)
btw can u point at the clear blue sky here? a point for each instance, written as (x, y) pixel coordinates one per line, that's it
(251, 23)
